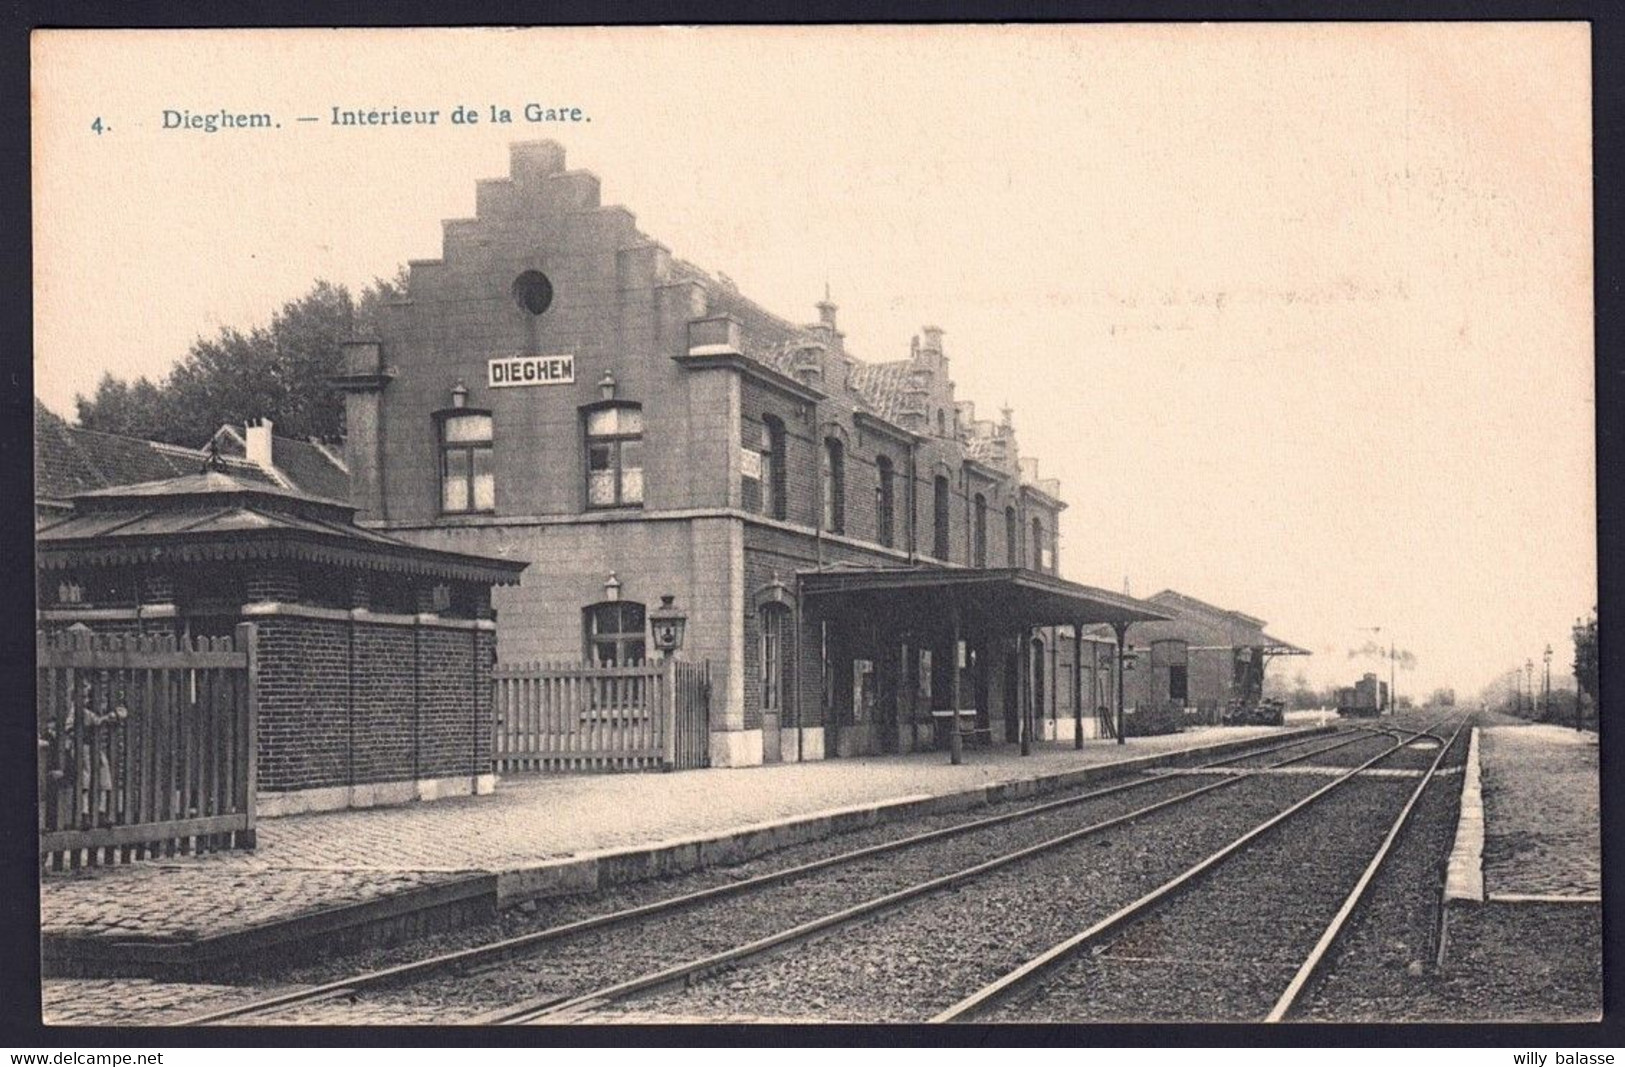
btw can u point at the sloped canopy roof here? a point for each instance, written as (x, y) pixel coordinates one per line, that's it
(214, 515)
(1199, 623)
(988, 600)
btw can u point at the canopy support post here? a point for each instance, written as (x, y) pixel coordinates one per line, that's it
(1121, 630)
(1077, 685)
(956, 744)
(1024, 690)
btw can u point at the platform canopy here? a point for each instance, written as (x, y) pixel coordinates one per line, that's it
(998, 600)
(1274, 646)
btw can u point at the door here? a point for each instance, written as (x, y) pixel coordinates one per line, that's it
(888, 706)
(984, 702)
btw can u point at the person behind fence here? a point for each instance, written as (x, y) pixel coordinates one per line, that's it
(92, 739)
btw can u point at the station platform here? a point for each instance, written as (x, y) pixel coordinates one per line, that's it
(1529, 829)
(314, 876)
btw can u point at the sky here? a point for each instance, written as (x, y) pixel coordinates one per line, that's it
(1300, 315)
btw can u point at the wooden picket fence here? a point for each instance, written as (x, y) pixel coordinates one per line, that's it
(146, 746)
(584, 717)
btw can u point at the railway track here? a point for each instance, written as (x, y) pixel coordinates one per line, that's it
(331, 1001)
(1029, 992)
(591, 1005)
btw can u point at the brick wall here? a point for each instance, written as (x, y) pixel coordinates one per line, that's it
(355, 702)
(383, 717)
(304, 692)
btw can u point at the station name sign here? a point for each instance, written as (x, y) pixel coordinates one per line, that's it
(530, 370)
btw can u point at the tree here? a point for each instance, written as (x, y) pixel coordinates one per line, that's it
(278, 371)
(1585, 656)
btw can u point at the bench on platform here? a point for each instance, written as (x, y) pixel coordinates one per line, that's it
(941, 717)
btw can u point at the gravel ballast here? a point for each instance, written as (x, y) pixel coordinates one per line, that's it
(1131, 854)
(912, 962)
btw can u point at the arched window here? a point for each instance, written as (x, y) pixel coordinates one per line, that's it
(614, 632)
(1038, 544)
(834, 485)
(885, 500)
(939, 515)
(1012, 538)
(775, 620)
(773, 502)
(980, 532)
(467, 482)
(942, 423)
(615, 456)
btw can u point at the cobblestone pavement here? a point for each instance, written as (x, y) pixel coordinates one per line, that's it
(115, 1001)
(307, 862)
(1541, 828)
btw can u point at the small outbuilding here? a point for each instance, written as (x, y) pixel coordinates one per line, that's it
(374, 655)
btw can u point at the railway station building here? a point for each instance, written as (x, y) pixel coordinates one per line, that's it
(861, 557)
(1201, 660)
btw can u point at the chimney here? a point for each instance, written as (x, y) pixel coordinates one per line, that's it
(257, 443)
(933, 339)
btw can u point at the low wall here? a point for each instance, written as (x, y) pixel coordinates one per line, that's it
(358, 709)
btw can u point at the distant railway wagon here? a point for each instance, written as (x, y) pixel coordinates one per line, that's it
(1366, 698)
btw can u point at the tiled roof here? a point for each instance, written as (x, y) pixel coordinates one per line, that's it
(765, 337)
(219, 515)
(69, 460)
(882, 386)
(305, 465)
(771, 340)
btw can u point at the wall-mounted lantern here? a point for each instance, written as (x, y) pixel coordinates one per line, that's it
(606, 386)
(668, 624)
(612, 588)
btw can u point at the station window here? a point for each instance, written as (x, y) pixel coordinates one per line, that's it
(773, 467)
(1012, 538)
(885, 500)
(615, 456)
(939, 516)
(1039, 562)
(467, 481)
(614, 633)
(775, 625)
(979, 546)
(834, 485)
(1178, 684)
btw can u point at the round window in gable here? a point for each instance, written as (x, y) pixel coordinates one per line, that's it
(533, 292)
